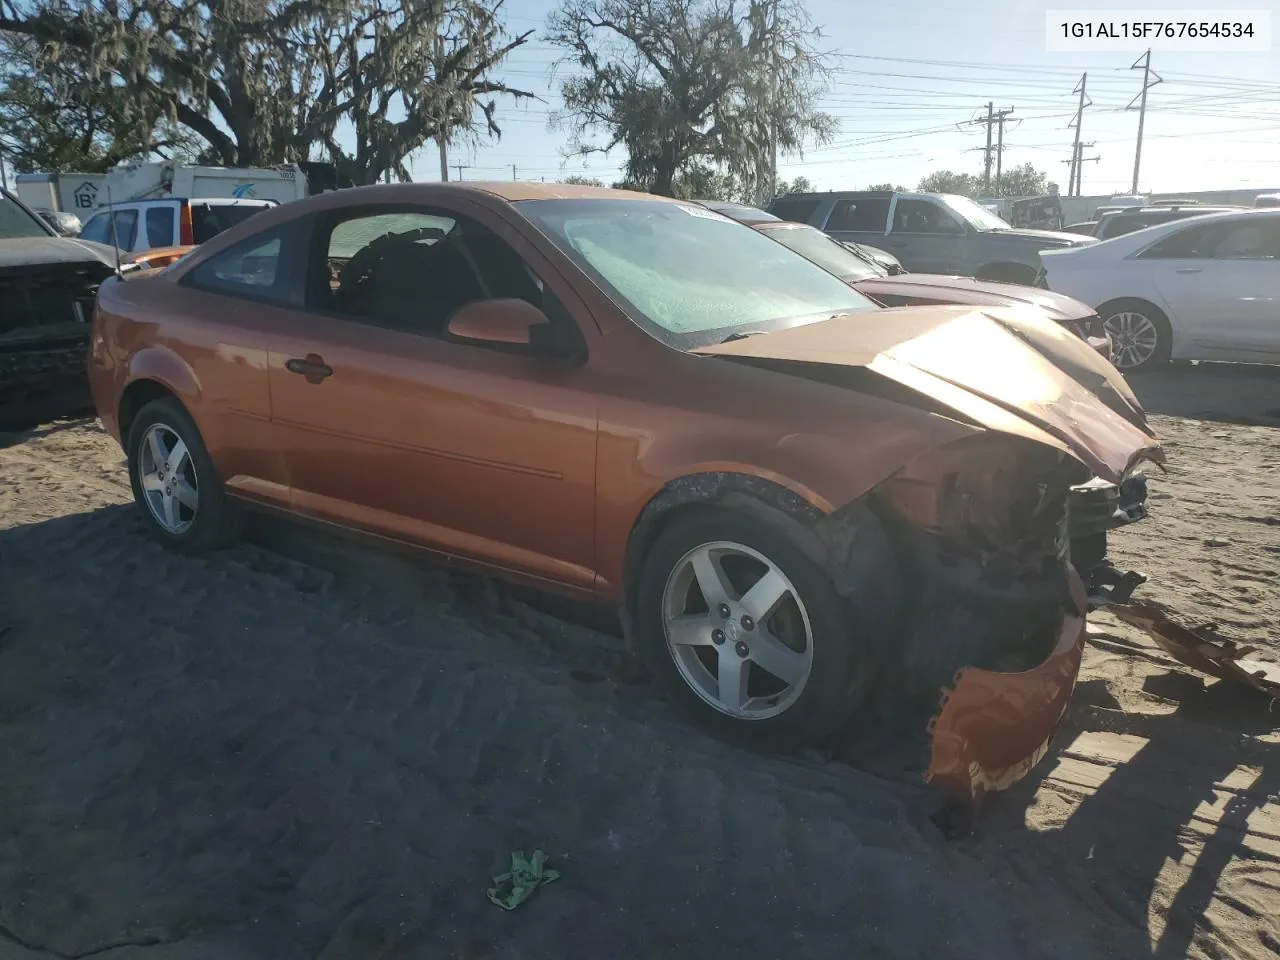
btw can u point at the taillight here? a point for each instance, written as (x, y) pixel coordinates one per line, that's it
(185, 234)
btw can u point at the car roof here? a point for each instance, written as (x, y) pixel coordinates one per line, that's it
(742, 212)
(1178, 208)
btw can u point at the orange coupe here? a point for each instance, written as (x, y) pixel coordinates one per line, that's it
(808, 509)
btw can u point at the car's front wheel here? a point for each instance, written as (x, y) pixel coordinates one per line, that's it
(1141, 338)
(747, 631)
(174, 482)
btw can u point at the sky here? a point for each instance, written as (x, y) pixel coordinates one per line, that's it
(908, 76)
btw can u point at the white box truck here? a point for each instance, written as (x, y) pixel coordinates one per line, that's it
(76, 193)
(164, 181)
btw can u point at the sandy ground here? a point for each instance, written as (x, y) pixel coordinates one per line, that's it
(325, 753)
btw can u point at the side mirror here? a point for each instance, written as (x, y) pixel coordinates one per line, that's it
(509, 322)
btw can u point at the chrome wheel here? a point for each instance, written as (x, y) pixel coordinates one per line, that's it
(167, 474)
(1133, 338)
(737, 630)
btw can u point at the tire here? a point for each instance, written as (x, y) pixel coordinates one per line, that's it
(1142, 316)
(841, 653)
(1008, 273)
(203, 522)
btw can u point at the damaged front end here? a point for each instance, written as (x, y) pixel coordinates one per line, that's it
(994, 623)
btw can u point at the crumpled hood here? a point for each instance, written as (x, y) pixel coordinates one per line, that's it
(1006, 369)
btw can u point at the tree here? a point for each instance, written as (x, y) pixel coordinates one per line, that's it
(690, 84)
(1021, 181)
(581, 181)
(947, 181)
(269, 81)
(887, 186)
(798, 185)
(53, 119)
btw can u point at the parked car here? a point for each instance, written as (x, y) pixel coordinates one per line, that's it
(47, 288)
(64, 224)
(929, 233)
(749, 215)
(1267, 200)
(639, 402)
(146, 224)
(1192, 289)
(1136, 218)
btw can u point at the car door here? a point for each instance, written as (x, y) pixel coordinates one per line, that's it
(859, 219)
(477, 452)
(229, 304)
(1220, 283)
(927, 237)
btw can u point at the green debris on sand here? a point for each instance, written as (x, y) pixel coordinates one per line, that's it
(527, 874)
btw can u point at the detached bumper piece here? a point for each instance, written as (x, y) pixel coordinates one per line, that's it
(1200, 650)
(1094, 510)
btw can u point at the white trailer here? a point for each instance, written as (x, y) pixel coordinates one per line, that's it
(76, 193)
(164, 181)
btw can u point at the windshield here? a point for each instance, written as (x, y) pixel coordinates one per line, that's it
(977, 216)
(816, 246)
(209, 220)
(690, 276)
(17, 224)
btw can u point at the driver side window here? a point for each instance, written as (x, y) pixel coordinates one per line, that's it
(412, 269)
(921, 216)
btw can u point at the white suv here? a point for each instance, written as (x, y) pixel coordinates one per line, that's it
(147, 224)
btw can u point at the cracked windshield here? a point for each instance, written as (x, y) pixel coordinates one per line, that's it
(639, 478)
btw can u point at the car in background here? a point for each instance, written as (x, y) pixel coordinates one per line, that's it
(1125, 221)
(64, 224)
(749, 215)
(47, 289)
(1204, 288)
(1267, 200)
(638, 402)
(929, 232)
(145, 224)
(1084, 227)
(901, 289)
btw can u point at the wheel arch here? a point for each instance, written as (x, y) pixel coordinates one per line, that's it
(771, 500)
(156, 372)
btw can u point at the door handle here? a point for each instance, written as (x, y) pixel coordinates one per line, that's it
(1189, 269)
(313, 367)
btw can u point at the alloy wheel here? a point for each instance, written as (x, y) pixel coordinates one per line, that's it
(167, 474)
(737, 630)
(1134, 338)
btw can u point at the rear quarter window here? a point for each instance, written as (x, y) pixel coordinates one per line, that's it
(160, 226)
(795, 209)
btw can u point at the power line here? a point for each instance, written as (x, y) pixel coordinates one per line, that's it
(990, 121)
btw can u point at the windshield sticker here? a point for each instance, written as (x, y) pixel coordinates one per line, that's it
(702, 212)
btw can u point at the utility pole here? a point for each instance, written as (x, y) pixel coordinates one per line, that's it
(4, 177)
(1145, 62)
(460, 167)
(986, 163)
(1076, 122)
(773, 103)
(1081, 160)
(1000, 144)
(992, 118)
(513, 173)
(442, 138)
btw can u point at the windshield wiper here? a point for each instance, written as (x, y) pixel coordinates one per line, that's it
(743, 334)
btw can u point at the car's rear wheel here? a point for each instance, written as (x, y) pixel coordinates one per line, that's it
(174, 482)
(1141, 338)
(747, 632)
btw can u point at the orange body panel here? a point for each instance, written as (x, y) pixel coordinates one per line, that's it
(538, 468)
(994, 727)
